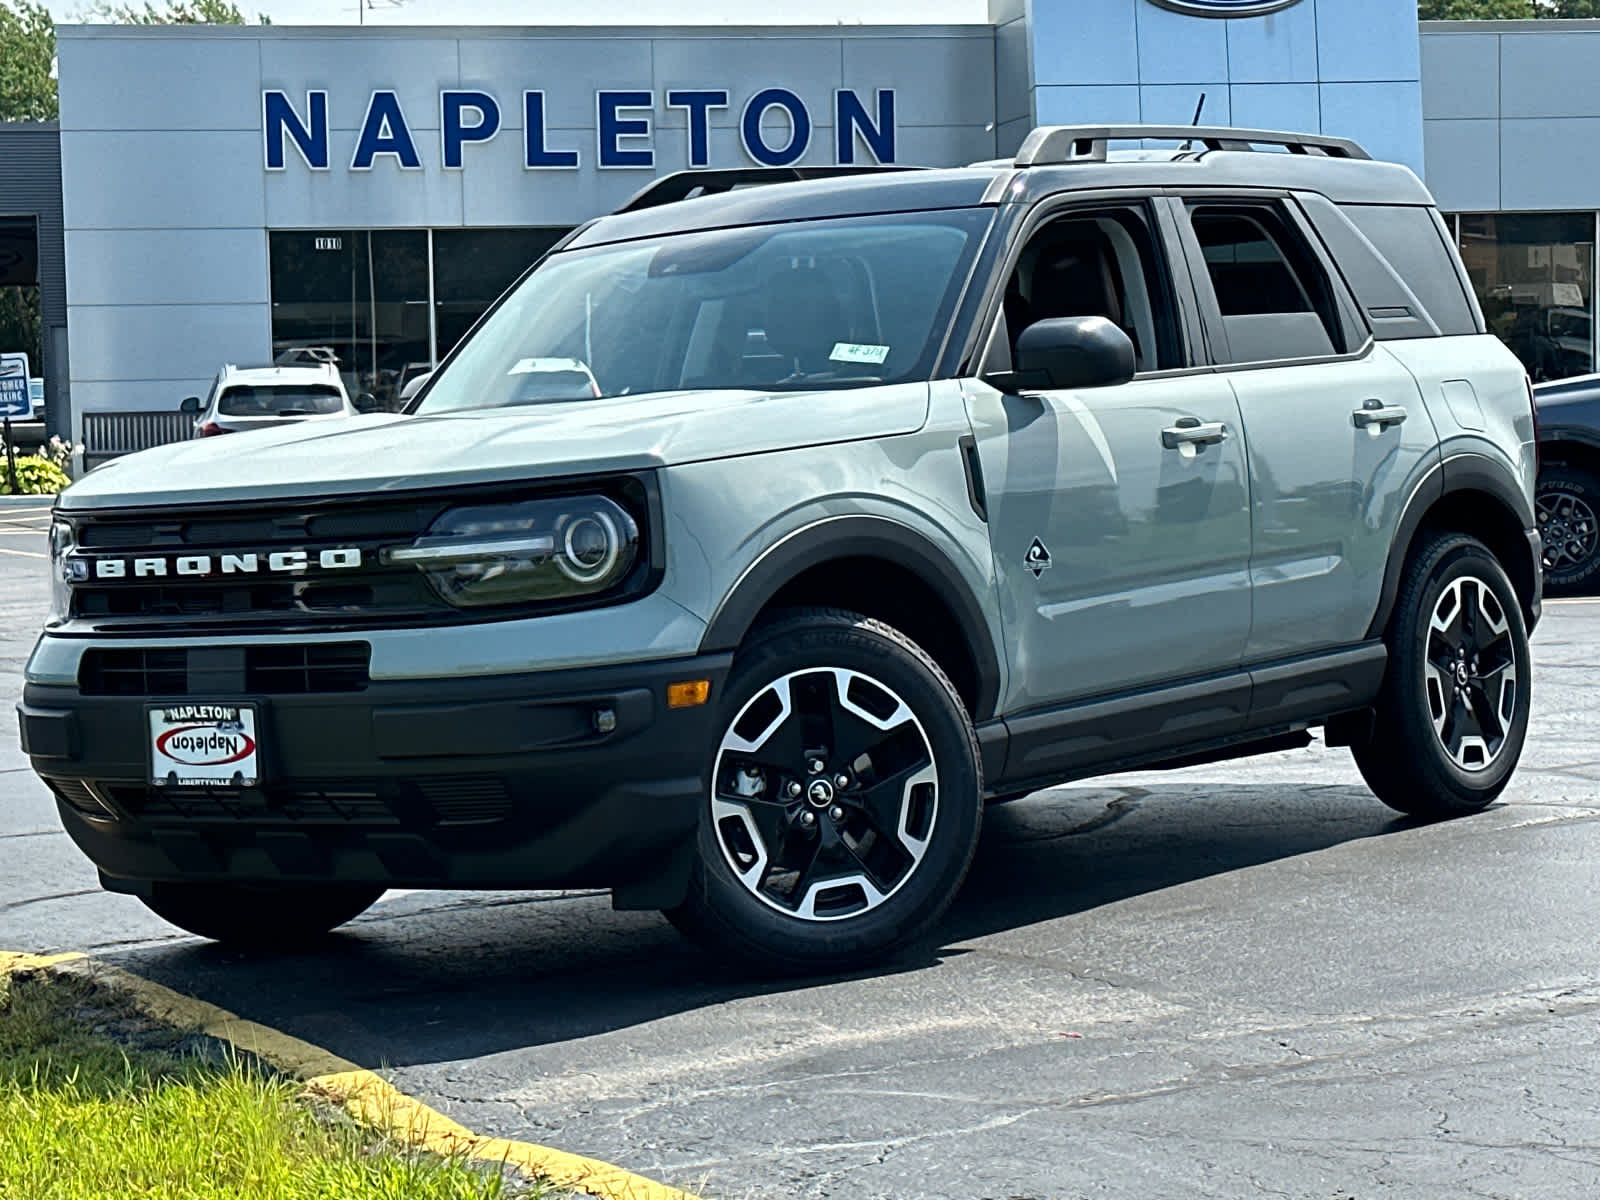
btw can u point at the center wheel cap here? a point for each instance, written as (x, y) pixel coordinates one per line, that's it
(820, 793)
(1462, 675)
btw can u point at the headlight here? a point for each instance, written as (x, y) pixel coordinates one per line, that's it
(534, 550)
(62, 541)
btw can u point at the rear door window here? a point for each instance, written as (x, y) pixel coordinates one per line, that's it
(306, 400)
(1275, 301)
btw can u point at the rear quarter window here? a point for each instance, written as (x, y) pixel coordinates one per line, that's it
(1410, 240)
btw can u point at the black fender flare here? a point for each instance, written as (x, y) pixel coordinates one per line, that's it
(1465, 472)
(858, 536)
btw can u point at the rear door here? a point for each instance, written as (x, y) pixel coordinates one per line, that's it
(1335, 426)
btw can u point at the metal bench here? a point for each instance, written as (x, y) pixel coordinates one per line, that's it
(109, 434)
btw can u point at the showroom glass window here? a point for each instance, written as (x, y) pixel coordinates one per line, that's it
(366, 300)
(472, 267)
(1534, 276)
(354, 298)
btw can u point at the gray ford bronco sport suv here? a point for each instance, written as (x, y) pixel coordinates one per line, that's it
(755, 540)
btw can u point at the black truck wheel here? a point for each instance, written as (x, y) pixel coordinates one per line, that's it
(1567, 502)
(845, 801)
(1451, 719)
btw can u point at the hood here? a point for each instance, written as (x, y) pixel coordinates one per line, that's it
(389, 452)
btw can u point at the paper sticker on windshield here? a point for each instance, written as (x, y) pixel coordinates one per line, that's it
(541, 366)
(856, 352)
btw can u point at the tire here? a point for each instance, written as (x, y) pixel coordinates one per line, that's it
(276, 916)
(1567, 501)
(870, 852)
(1446, 733)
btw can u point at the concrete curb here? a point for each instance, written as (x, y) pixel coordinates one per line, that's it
(21, 502)
(366, 1096)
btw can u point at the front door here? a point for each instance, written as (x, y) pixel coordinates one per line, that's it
(1119, 516)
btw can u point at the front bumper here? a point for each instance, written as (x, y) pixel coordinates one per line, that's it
(489, 782)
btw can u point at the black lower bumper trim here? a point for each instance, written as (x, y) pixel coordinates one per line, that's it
(581, 778)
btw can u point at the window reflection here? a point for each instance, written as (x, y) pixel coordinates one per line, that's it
(472, 267)
(360, 299)
(1533, 273)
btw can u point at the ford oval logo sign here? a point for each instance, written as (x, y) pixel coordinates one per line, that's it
(1226, 8)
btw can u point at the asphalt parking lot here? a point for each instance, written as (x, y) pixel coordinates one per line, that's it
(1235, 980)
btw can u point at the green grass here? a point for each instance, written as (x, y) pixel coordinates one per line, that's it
(96, 1104)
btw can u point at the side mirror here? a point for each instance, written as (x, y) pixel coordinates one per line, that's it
(1074, 352)
(366, 402)
(190, 406)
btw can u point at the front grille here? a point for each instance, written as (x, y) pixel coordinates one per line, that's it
(261, 597)
(284, 670)
(441, 802)
(466, 800)
(79, 795)
(134, 673)
(237, 597)
(333, 804)
(306, 669)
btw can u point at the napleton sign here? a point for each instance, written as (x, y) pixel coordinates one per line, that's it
(624, 128)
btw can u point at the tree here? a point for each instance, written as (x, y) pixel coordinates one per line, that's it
(27, 53)
(1504, 10)
(174, 12)
(28, 44)
(20, 325)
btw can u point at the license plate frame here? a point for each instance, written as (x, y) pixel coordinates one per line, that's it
(203, 744)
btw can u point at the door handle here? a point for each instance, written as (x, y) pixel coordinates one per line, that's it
(1376, 412)
(1190, 431)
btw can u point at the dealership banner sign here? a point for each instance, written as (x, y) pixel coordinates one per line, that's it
(624, 129)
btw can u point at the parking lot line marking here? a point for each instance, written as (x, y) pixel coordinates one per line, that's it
(23, 553)
(364, 1094)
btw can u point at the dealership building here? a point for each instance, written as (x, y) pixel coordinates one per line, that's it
(260, 193)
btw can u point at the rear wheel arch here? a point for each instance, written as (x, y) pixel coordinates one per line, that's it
(1474, 495)
(877, 568)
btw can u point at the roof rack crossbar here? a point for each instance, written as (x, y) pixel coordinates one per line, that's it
(686, 185)
(1050, 145)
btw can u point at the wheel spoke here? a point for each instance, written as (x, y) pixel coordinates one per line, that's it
(884, 802)
(1486, 717)
(833, 863)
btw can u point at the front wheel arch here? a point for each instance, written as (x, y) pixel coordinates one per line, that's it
(789, 575)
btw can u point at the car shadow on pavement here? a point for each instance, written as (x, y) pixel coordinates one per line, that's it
(429, 977)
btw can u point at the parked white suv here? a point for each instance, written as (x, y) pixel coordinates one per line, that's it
(244, 398)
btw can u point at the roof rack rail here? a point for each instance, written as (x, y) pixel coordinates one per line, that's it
(686, 185)
(1050, 145)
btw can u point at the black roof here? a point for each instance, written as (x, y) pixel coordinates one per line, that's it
(1343, 179)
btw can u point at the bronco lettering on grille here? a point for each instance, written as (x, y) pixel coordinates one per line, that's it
(281, 562)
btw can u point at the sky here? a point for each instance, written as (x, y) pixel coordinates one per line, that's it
(600, 12)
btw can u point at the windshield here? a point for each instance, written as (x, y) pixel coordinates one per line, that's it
(281, 400)
(841, 303)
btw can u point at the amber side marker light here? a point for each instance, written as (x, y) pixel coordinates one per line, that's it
(689, 694)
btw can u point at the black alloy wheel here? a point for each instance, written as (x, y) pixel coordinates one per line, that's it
(1470, 673)
(1451, 718)
(844, 798)
(1566, 501)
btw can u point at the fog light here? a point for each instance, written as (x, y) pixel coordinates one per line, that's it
(605, 720)
(690, 694)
